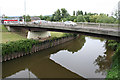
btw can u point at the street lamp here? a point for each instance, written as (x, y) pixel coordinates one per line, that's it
(25, 10)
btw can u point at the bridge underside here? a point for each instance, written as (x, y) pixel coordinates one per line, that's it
(31, 33)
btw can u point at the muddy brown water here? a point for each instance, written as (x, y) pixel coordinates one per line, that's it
(83, 57)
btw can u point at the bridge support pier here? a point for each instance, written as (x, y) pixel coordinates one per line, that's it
(38, 35)
(10, 29)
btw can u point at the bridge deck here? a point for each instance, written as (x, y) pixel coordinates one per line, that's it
(104, 29)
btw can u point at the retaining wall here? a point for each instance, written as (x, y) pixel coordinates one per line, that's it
(46, 44)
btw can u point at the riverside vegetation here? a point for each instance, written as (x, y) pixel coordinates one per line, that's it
(114, 72)
(25, 46)
(12, 42)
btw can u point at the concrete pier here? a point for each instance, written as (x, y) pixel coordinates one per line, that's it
(38, 35)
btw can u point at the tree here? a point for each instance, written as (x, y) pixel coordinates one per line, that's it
(27, 18)
(79, 13)
(80, 18)
(64, 13)
(93, 18)
(85, 13)
(73, 13)
(105, 19)
(57, 15)
(90, 14)
(71, 18)
(87, 18)
(41, 17)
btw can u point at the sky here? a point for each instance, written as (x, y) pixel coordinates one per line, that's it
(48, 7)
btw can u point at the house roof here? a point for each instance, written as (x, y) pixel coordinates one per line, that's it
(35, 18)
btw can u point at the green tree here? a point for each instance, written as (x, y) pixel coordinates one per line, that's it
(79, 13)
(105, 19)
(71, 18)
(87, 18)
(41, 17)
(93, 18)
(85, 13)
(90, 14)
(27, 18)
(64, 13)
(64, 19)
(73, 13)
(48, 18)
(57, 15)
(80, 18)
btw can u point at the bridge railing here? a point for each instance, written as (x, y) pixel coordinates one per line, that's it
(53, 24)
(79, 25)
(97, 25)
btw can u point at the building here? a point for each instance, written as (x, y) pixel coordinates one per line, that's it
(12, 20)
(34, 19)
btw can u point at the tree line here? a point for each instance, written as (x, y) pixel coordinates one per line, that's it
(78, 16)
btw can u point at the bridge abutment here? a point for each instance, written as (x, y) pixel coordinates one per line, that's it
(10, 29)
(38, 35)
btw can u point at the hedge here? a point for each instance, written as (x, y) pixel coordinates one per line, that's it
(26, 45)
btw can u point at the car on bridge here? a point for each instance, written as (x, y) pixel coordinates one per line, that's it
(39, 21)
(70, 23)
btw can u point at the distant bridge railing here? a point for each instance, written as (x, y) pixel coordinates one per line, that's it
(98, 25)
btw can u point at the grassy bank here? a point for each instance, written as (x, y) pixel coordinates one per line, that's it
(12, 36)
(56, 34)
(9, 36)
(114, 72)
(3, 29)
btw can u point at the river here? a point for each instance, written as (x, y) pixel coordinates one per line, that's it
(83, 57)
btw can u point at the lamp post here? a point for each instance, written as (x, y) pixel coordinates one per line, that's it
(25, 10)
(119, 18)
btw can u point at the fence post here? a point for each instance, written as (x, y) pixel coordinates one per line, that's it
(82, 24)
(99, 26)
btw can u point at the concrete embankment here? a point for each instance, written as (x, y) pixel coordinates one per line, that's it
(37, 47)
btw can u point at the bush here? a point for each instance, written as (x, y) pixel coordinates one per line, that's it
(25, 45)
(18, 46)
(114, 72)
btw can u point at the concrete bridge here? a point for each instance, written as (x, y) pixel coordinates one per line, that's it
(41, 30)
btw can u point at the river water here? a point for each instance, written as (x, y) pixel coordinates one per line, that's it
(83, 57)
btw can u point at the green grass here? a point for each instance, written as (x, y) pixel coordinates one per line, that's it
(3, 29)
(57, 34)
(11, 36)
(7, 36)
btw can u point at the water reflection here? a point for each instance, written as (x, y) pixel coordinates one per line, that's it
(82, 61)
(24, 74)
(77, 45)
(104, 61)
(88, 60)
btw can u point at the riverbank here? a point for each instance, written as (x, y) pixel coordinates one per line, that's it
(7, 36)
(114, 72)
(15, 49)
(10, 36)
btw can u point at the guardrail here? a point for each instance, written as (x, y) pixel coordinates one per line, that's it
(79, 24)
